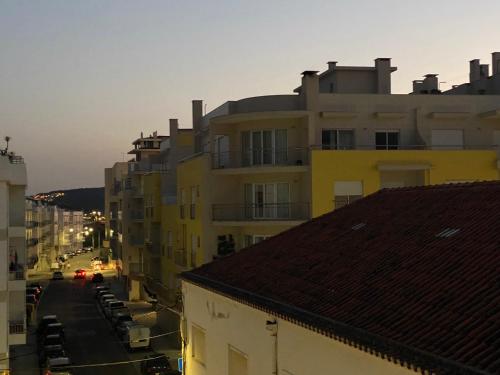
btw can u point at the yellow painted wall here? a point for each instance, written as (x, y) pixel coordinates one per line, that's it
(356, 165)
(169, 222)
(194, 173)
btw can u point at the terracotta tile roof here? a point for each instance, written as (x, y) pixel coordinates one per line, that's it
(401, 285)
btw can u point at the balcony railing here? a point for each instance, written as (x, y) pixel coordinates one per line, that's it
(17, 327)
(181, 258)
(260, 212)
(136, 240)
(136, 215)
(16, 272)
(31, 224)
(259, 157)
(32, 242)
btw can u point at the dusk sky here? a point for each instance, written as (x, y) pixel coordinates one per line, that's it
(79, 80)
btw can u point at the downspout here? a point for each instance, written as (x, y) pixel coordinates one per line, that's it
(272, 325)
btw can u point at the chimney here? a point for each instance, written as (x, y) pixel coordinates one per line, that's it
(495, 63)
(383, 68)
(484, 70)
(173, 127)
(474, 71)
(417, 86)
(197, 116)
(310, 89)
(431, 83)
(332, 65)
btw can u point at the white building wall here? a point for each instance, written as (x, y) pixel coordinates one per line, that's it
(228, 323)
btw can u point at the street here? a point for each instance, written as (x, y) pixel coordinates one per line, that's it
(89, 336)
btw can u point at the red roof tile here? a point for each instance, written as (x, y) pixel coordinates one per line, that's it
(392, 285)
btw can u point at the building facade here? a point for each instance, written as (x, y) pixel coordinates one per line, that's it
(255, 167)
(13, 261)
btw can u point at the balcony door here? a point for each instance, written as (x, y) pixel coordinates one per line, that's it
(264, 147)
(221, 152)
(267, 201)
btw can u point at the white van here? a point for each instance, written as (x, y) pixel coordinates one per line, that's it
(137, 336)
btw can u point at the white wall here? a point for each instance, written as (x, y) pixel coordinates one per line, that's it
(300, 351)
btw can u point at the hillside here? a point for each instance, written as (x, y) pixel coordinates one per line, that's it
(86, 199)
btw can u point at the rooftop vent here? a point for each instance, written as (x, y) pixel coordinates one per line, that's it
(448, 232)
(358, 226)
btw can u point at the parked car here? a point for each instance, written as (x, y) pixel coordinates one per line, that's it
(35, 291)
(79, 274)
(79, 251)
(157, 364)
(49, 342)
(36, 285)
(56, 351)
(52, 329)
(118, 317)
(44, 322)
(58, 366)
(106, 297)
(31, 299)
(101, 288)
(135, 335)
(57, 275)
(100, 293)
(110, 306)
(97, 278)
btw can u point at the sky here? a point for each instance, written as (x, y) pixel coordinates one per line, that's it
(79, 80)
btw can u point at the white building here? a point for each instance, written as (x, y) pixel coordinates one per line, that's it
(12, 254)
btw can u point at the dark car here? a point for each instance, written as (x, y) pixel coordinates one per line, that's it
(97, 278)
(79, 274)
(44, 322)
(58, 275)
(119, 318)
(55, 351)
(31, 299)
(52, 329)
(49, 342)
(157, 363)
(36, 285)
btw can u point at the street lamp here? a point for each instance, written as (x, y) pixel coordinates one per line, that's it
(91, 230)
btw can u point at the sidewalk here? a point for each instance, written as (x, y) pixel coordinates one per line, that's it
(144, 313)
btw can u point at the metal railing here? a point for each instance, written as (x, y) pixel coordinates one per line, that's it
(136, 240)
(260, 212)
(17, 327)
(136, 215)
(390, 147)
(258, 157)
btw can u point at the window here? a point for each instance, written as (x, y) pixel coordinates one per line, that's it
(221, 151)
(192, 207)
(267, 201)
(198, 344)
(183, 203)
(194, 243)
(169, 244)
(337, 139)
(387, 140)
(264, 147)
(237, 362)
(447, 139)
(346, 192)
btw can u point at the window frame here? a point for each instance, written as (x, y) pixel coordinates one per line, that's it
(386, 146)
(336, 145)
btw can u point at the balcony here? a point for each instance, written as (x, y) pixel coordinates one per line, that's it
(136, 215)
(16, 272)
(261, 212)
(17, 327)
(31, 224)
(32, 242)
(137, 240)
(261, 157)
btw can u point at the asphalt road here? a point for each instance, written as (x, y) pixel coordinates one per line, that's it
(89, 337)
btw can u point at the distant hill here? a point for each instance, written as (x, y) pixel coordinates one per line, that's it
(86, 199)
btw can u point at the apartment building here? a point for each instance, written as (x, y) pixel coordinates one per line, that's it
(12, 254)
(262, 165)
(266, 164)
(402, 282)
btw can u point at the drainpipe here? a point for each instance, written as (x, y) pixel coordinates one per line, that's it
(272, 326)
